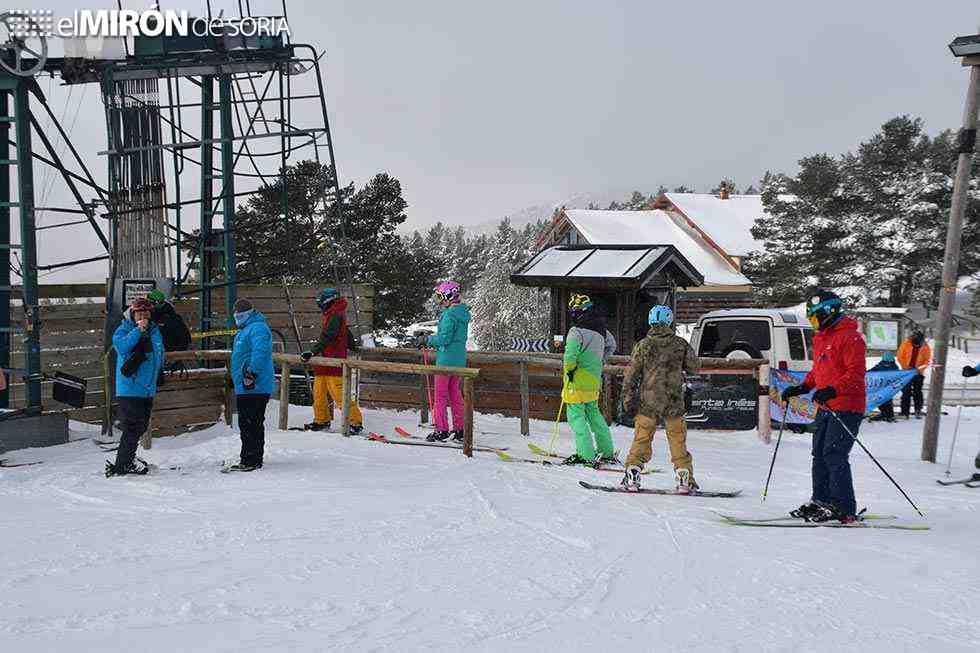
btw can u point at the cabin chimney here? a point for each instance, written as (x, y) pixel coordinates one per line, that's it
(723, 193)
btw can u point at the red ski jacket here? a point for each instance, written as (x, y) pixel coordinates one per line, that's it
(839, 361)
(333, 337)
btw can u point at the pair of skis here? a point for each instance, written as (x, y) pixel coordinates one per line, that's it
(970, 482)
(864, 521)
(555, 456)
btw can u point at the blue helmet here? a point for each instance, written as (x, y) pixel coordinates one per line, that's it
(326, 296)
(661, 314)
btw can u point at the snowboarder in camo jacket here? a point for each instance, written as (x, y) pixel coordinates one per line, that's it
(653, 390)
(587, 347)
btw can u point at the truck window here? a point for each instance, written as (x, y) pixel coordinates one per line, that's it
(718, 337)
(808, 336)
(797, 351)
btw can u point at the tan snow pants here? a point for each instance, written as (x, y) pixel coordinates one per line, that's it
(642, 448)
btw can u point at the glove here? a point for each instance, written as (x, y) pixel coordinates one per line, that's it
(793, 391)
(970, 371)
(825, 394)
(306, 356)
(248, 380)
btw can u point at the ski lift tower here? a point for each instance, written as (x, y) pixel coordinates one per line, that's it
(183, 111)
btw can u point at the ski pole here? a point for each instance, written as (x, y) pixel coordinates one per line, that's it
(779, 438)
(554, 432)
(956, 429)
(873, 459)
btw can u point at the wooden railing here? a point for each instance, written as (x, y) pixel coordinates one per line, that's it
(289, 361)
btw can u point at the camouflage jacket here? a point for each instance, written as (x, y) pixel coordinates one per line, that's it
(654, 382)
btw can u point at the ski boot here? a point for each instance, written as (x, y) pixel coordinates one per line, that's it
(805, 511)
(828, 512)
(317, 426)
(685, 482)
(631, 480)
(576, 459)
(138, 467)
(602, 459)
(457, 436)
(354, 429)
(242, 467)
(976, 461)
(437, 436)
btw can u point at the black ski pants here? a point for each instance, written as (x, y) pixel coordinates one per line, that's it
(134, 418)
(912, 390)
(251, 423)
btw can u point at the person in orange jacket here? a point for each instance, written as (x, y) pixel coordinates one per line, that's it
(915, 354)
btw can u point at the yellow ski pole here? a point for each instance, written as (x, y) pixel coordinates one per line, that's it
(553, 441)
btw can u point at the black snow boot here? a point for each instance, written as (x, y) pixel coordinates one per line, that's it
(317, 426)
(576, 459)
(806, 511)
(354, 429)
(437, 436)
(457, 436)
(830, 512)
(242, 467)
(976, 461)
(139, 467)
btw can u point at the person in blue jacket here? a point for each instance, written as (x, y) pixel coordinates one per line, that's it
(139, 359)
(254, 378)
(886, 409)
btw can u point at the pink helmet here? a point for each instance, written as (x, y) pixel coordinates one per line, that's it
(447, 291)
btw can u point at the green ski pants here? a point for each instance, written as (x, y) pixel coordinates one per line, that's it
(585, 419)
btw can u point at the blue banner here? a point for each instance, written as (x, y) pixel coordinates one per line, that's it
(881, 387)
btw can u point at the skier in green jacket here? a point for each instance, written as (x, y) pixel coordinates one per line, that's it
(587, 346)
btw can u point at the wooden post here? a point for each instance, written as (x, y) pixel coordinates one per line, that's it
(951, 261)
(607, 394)
(525, 401)
(468, 404)
(230, 404)
(107, 396)
(345, 401)
(229, 399)
(284, 380)
(424, 405)
(146, 440)
(765, 423)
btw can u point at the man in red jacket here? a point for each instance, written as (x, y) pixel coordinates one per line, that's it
(838, 378)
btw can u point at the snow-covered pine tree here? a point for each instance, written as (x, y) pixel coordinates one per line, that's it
(500, 309)
(805, 238)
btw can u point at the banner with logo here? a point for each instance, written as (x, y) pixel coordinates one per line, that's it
(881, 387)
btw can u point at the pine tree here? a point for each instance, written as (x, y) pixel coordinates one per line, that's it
(500, 309)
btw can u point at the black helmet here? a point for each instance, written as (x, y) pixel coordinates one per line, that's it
(823, 309)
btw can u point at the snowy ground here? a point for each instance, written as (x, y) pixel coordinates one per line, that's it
(346, 544)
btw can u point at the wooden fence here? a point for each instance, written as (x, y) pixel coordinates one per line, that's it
(524, 385)
(72, 341)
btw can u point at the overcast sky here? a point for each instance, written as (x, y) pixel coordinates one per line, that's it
(484, 108)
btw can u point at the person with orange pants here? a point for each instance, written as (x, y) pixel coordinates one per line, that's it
(327, 382)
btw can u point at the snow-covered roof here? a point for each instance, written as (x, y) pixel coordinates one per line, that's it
(622, 264)
(655, 227)
(727, 222)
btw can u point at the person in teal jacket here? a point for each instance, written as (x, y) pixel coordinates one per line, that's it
(139, 359)
(254, 377)
(450, 344)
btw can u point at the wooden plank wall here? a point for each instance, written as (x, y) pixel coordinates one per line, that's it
(72, 342)
(271, 302)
